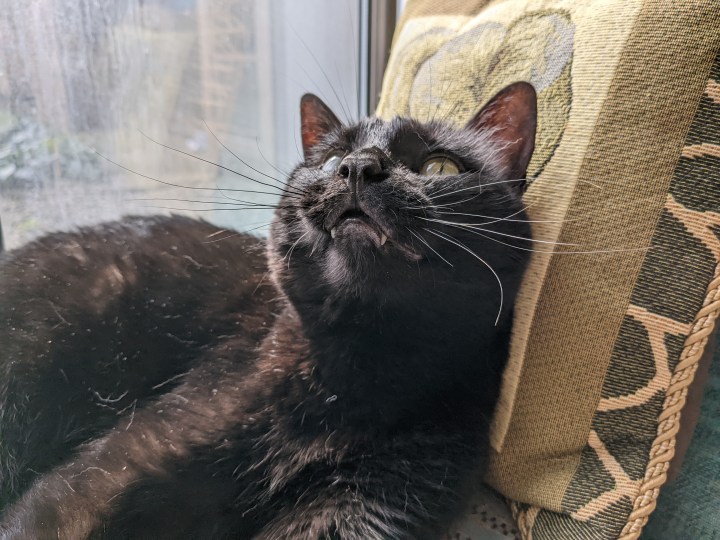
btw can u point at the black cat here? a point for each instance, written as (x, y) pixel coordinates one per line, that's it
(155, 385)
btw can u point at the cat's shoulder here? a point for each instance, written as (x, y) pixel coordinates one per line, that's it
(133, 236)
(155, 256)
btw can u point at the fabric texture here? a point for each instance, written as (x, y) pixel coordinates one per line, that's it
(625, 191)
(687, 508)
(488, 518)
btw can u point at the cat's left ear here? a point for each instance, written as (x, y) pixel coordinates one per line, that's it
(510, 117)
(316, 121)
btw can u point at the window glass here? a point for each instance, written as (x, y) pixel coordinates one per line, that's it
(90, 91)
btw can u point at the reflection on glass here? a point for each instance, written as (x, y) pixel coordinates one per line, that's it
(80, 76)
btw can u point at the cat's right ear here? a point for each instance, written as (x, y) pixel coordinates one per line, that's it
(316, 121)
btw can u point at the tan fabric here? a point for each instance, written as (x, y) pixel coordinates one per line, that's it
(626, 158)
(622, 184)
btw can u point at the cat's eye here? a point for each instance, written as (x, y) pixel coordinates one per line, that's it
(332, 161)
(439, 166)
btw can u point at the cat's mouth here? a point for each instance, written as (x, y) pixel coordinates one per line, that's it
(355, 220)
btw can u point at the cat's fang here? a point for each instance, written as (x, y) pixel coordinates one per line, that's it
(332, 232)
(383, 239)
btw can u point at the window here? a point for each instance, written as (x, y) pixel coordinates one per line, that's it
(91, 91)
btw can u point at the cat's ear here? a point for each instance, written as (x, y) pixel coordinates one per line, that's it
(510, 117)
(316, 121)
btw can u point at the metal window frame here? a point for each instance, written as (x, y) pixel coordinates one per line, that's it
(377, 25)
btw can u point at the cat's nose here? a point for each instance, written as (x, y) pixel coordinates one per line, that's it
(363, 166)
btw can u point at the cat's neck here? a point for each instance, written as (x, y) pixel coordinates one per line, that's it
(376, 371)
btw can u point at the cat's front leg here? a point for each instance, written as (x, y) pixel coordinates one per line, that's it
(348, 514)
(52, 513)
(408, 493)
(74, 499)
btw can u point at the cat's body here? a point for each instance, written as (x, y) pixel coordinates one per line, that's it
(157, 384)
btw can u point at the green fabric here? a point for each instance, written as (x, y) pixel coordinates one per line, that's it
(689, 507)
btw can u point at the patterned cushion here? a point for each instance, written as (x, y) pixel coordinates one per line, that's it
(688, 506)
(624, 287)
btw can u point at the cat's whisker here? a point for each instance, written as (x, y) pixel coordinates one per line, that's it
(195, 188)
(233, 233)
(287, 191)
(428, 245)
(458, 179)
(197, 201)
(506, 218)
(216, 240)
(288, 255)
(222, 193)
(471, 252)
(481, 186)
(208, 209)
(241, 160)
(490, 231)
(555, 252)
(496, 219)
(435, 206)
(257, 227)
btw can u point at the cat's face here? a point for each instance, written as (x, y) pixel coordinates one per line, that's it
(384, 209)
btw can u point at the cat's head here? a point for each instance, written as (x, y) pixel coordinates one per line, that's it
(393, 212)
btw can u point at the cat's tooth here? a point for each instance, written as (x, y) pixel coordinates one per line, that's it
(332, 232)
(383, 239)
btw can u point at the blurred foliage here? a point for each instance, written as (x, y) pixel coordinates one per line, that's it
(31, 155)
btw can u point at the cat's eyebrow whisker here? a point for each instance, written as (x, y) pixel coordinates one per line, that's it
(257, 144)
(345, 107)
(440, 101)
(471, 252)
(282, 190)
(428, 245)
(195, 188)
(447, 115)
(490, 231)
(241, 160)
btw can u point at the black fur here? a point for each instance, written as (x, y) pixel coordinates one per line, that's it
(154, 385)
